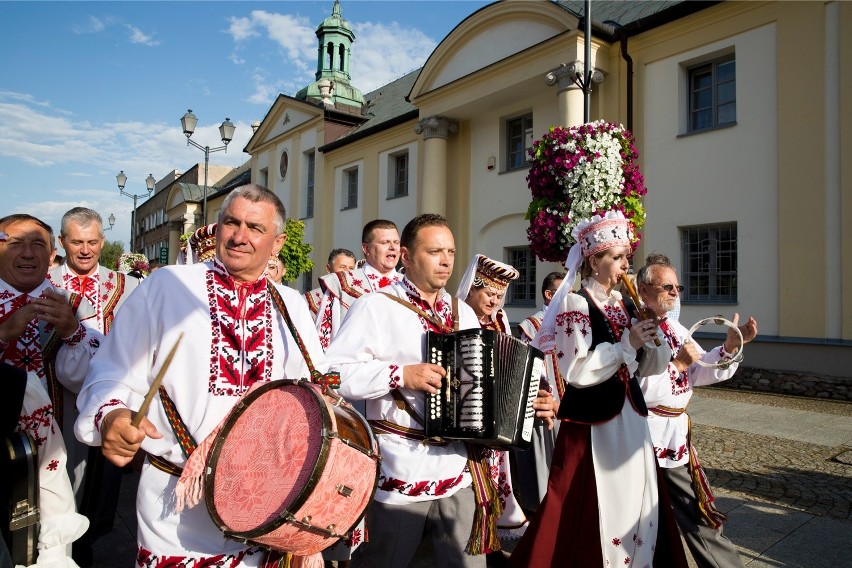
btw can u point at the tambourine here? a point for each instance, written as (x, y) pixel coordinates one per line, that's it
(725, 362)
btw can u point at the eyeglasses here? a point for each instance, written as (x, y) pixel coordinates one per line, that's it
(670, 287)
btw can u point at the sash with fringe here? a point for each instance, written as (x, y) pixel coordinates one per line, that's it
(700, 484)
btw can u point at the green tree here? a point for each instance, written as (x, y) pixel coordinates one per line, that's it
(110, 253)
(295, 253)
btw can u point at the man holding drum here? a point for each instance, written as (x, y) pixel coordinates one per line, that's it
(234, 336)
(667, 396)
(440, 491)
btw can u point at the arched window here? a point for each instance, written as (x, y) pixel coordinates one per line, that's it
(330, 52)
(341, 57)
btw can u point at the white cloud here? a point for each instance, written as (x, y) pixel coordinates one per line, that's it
(92, 26)
(137, 36)
(40, 137)
(265, 91)
(294, 34)
(384, 52)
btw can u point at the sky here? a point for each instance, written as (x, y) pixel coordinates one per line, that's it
(91, 88)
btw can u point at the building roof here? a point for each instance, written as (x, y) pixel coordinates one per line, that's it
(634, 16)
(384, 107)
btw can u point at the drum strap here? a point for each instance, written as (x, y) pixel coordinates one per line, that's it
(187, 443)
(326, 380)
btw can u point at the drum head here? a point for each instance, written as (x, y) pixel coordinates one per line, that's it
(263, 459)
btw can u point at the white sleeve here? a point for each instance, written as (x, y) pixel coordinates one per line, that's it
(60, 525)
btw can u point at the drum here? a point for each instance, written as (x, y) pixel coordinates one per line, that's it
(292, 469)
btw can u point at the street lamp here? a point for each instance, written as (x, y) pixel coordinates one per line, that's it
(226, 131)
(122, 180)
(111, 220)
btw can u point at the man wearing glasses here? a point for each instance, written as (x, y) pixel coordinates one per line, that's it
(667, 395)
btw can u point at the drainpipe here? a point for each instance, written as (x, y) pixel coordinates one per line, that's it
(629, 60)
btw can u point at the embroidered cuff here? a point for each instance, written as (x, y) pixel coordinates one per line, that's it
(104, 410)
(76, 337)
(395, 379)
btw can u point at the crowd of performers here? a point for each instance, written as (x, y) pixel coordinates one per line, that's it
(610, 477)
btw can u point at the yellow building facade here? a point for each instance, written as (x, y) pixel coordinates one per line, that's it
(753, 207)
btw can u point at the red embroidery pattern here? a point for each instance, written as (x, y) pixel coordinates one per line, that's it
(53, 465)
(496, 462)
(680, 381)
(241, 319)
(25, 352)
(147, 559)
(574, 320)
(395, 380)
(616, 314)
(38, 424)
(671, 453)
(443, 310)
(417, 488)
(355, 538)
(101, 411)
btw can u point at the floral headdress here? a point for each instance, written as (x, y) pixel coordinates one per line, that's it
(577, 173)
(130, 261)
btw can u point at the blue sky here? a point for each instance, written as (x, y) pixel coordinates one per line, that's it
(91, 88)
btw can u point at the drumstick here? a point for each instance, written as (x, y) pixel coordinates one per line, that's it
(155, 386)
(644, 313)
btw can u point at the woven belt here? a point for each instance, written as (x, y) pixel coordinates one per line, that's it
(385, 427)
(165, 465)
(667, 411)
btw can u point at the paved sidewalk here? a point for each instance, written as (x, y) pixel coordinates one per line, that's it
(771, 460)
(774, 472)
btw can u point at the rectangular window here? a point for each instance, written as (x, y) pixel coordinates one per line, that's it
(350, 188)
(522, 292)
(713, 94)
(519, 138)
(710, 263)
(399, 185)
(309, 186)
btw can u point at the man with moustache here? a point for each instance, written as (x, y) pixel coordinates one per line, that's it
(667, 396)
(339, 260)
(380, 244)
(40, 335)
(96, 482)
(235, 336)
(438, 491)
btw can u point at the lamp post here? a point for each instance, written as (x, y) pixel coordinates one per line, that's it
(122, 180)
(111, 221)
(226, 131)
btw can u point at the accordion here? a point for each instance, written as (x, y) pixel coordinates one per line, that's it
(487, 394)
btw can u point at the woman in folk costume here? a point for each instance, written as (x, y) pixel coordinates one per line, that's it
(604, 504)
(483, 288)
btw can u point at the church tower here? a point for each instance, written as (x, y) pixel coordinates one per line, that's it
(332, 86)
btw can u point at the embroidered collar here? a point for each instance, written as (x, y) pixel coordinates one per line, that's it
(441, 301)
(598, 292)
(8, 292)
(377, 279)
(252, 287)
(95, 275)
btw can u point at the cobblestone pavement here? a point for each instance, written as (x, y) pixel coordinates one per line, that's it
(802, 476)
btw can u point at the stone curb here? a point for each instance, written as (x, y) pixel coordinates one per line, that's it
(795, 384)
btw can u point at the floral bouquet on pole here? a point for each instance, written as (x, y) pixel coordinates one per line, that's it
(132, 261)
(578, 172)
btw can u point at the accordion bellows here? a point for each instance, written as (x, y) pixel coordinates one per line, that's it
(487, 395)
